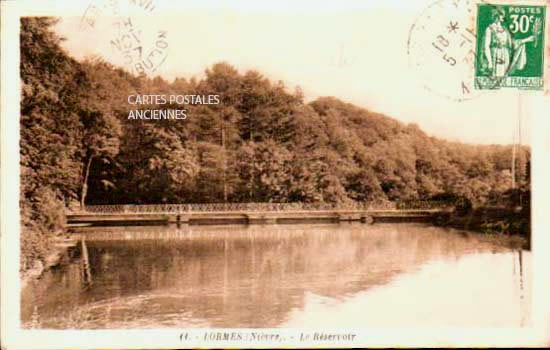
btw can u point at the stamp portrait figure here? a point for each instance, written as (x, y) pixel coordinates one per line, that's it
(503, 53)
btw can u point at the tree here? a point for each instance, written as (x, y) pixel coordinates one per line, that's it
(264, 171)
(101, 141)
(50, 139)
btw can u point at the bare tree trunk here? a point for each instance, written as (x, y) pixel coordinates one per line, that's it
(85, 183)
(513, 166)
(224, 165)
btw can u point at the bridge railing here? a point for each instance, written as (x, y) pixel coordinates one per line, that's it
(224, 207)
(424, 204)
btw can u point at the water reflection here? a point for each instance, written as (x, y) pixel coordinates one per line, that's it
(283, 275)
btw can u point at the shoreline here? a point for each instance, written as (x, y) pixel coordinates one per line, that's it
(504, 225)
(60, 250)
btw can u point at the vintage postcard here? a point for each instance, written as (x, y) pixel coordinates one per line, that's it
(325, 174)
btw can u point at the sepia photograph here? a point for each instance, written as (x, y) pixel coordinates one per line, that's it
(261, 174)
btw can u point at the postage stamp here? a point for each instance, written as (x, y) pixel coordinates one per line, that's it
(510, 47)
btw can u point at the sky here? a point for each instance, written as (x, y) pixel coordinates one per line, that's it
(357, 51)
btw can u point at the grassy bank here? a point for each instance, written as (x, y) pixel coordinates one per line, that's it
(508, 226)
(43, 224)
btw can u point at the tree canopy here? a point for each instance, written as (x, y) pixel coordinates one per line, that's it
(261, 143)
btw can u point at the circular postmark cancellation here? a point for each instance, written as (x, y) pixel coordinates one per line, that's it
(458, 48)
(132, 42)
(442, 49)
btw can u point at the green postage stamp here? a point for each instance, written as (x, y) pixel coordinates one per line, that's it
(510, 47)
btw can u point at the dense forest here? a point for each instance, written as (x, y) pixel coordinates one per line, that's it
(262, 143)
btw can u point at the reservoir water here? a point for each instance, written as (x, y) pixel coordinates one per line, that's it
(307, 275)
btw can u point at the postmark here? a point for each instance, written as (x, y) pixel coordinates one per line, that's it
(140, 51)
(510, 47)
(442, 49)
